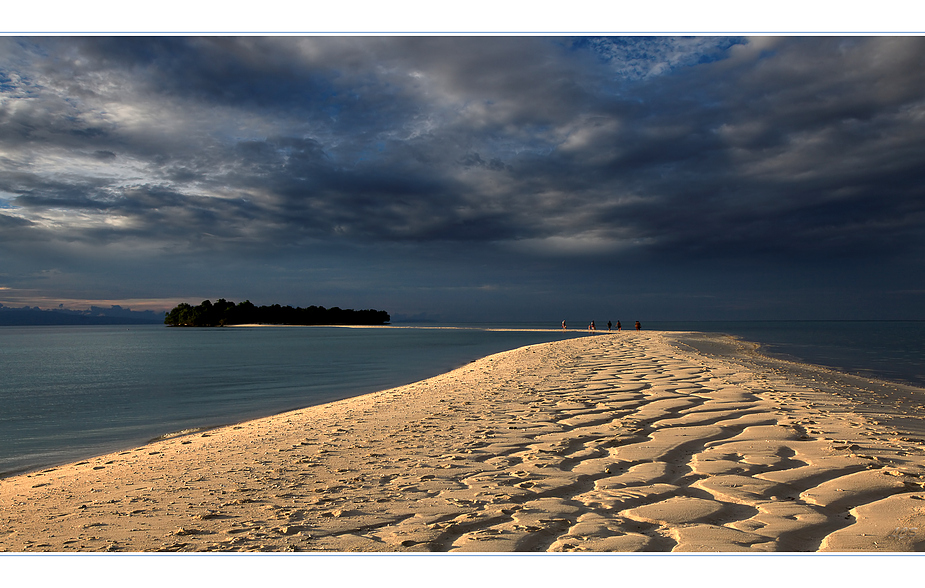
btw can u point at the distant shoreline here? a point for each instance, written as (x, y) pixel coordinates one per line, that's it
(417, 326)
(225, 312)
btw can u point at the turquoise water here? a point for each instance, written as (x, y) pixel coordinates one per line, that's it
(72, 392)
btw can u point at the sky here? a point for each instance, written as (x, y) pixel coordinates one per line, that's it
(468, 178)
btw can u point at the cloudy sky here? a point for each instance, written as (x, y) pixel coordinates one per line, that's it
(468, 178)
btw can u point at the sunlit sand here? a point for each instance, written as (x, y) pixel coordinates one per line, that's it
(616, 442)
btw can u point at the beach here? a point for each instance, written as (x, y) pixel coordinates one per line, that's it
(618, 442)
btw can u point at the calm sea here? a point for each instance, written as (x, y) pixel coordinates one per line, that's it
(71, 392)
(887, 350)
(68, 393)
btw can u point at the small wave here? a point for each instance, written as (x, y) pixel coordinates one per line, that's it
(182, 433)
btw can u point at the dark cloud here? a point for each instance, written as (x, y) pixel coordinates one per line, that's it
(550, 155)
(11, 222)
(474, 159)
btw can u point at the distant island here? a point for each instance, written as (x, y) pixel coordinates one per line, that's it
(223, 312)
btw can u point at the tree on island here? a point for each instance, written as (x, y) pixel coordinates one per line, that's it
(223, 312)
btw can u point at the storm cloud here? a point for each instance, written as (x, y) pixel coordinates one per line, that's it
(425, 172)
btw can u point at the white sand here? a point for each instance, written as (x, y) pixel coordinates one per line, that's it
(617, 442)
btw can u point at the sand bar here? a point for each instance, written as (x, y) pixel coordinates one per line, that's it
(616, 442)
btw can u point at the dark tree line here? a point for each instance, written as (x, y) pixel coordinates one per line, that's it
(224, 312)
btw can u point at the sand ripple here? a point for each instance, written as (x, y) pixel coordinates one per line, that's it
(618, 442)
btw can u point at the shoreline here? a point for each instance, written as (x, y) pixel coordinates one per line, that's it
(628, 442)
(893, 401)
(367, 367)
(870, 392)
(421, 327)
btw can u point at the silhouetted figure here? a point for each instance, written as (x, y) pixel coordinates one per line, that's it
(609, 326)
(638, 326)
(563, 325)
(619, 326)
(591, 326)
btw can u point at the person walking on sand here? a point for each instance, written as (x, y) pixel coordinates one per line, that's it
(619, 326)
(638, 326)
(609, 326)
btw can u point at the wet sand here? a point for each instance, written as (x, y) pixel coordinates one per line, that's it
(617, 442)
